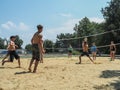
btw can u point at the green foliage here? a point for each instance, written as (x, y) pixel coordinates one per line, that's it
(48, 45)
(64, 43)
(2, 43)
(19, 42)
(75, 52)
(84, 28)
(28, 48)
(111, 14)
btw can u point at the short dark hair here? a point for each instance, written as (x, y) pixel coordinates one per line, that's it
(12, 37)
(39, 27)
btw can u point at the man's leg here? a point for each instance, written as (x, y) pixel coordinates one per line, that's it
(17, 57)
(19, 63)
(80, 59)
(41, 58)
(93, 55)
(5, 57)
(113, 57)
(35, 67)
(30, 65)
(10, 59)
(5, 62)
(68, 55)
(90, 59)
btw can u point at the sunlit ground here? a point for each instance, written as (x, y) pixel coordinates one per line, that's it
(61, 73)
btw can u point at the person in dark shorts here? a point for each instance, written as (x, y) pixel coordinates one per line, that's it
(12, 52)
(35, 52)
(85, 51)
(36, 48)
(8, 52)
(112, 51)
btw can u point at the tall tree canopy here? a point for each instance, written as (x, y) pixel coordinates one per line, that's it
(48, 45)
(19, 42)
(111, 14)
(2, 46)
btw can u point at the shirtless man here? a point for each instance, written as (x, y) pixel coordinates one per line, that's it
(12, 52)
(36, 48)
(85, 51)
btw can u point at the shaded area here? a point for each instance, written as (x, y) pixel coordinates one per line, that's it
(110, 74)
(113, 85)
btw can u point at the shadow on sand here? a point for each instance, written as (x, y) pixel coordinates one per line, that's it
(113, 85)
(8, 67)
(23, 72)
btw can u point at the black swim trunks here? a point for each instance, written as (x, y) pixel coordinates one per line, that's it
(35, 52)
(85, 53)
(13, 54)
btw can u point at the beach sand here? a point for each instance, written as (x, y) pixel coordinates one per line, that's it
(62, 74)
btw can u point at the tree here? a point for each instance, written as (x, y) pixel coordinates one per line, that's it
(2, 43)
(19, 42)
(64, 43)
(28, 48)
(111, 14)
(86, 28)
(48, 45)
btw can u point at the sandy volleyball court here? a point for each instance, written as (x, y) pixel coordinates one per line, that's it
(62, 74)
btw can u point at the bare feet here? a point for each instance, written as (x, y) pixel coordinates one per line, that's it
(78, 63)
(3, 63)
(34, 71)
(29, 69)
(19, 66)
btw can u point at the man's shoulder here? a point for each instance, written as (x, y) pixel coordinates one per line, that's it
(38, 34)
(11, 42)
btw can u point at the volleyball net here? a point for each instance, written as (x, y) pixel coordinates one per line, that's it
(102, 41)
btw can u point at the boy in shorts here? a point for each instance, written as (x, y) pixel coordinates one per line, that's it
(37, 47)
(12, 52)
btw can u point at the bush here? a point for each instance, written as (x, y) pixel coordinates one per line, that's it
(76, 52)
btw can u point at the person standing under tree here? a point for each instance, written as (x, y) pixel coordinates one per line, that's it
(36, 48)
(85, 51)
(70, 49)
(112, 51)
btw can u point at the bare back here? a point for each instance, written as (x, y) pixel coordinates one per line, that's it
(36, 38)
